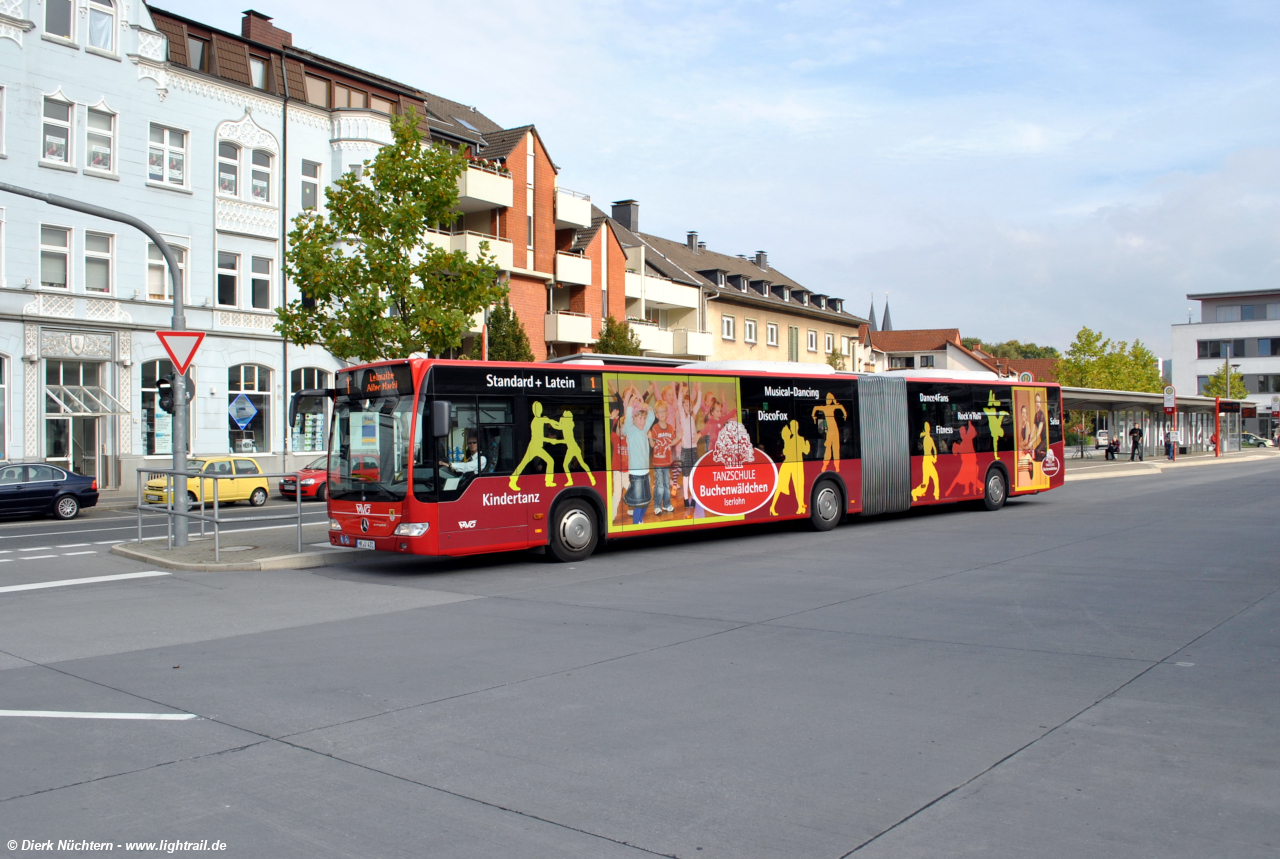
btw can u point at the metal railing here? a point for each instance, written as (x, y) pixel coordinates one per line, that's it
(576, 194)
(166, 505)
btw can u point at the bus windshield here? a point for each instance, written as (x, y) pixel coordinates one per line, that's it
(371, 438)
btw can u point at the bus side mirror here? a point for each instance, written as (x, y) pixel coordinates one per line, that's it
(440, 413)
(331, 393)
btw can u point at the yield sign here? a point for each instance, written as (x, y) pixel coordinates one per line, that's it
(181, 346)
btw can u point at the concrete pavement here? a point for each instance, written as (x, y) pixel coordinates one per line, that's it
(1089, 672)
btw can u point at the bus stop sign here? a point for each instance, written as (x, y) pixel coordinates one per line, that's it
(1170, 399)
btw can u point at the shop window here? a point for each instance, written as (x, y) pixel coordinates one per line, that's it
(157, 424)
(311, 425)
(248, 409)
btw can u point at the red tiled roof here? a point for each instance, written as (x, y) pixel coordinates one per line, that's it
(920, 340)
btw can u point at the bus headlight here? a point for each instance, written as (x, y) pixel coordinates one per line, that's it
(411, 529)
(335, 525)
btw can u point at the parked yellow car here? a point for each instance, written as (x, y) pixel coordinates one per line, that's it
(239, 479)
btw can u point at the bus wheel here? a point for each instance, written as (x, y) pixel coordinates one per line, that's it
(574, 534)
(997, 489)
(824, 507)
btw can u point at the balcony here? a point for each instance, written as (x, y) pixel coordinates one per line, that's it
(573, 268)
(563, 326)
(694, 343)
(573, 210)
(358, 126)
(660, 291)
(470, 242)
(483, 187)
(652, 338)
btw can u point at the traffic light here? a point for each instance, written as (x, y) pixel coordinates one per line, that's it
(164, 390)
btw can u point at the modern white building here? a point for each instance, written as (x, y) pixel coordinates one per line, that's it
(1241, 330)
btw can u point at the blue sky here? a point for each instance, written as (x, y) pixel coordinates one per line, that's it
(1013, 169)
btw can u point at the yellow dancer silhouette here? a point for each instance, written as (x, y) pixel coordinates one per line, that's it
(791, 472)
(537, 438)
(572, 451)
(929, 468)
(831, 454)
(995, 416)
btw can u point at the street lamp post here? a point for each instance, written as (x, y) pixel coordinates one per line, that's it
(179, 323)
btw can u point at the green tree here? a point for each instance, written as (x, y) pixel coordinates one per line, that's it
(1217, 385)
(1094, 361)
(835, 359)
(617, 338)
(1011, 349)
(507, 338)
(372, 286)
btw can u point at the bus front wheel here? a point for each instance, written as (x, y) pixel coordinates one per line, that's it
(997, 490)
(574, 533)
(825, 506)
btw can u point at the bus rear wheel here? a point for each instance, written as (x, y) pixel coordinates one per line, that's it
(574, 532)
(825, 505)
(997, 490)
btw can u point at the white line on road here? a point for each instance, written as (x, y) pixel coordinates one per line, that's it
(109, 542)
(71, 545)
(69, 714)
(38, 557)
(36, 549)
(73, 554)
(64, 582)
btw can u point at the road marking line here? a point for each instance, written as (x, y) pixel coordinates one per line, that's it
(73, 554)
(64, 582)
(71, 545)
(109, 542)
(68, 714)
(38, 557)
(36, 549)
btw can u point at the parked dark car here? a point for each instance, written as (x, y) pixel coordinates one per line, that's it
(38, 489)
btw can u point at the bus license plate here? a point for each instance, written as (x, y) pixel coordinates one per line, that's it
(364, 544)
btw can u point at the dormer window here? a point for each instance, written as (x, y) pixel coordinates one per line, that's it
(197, 54)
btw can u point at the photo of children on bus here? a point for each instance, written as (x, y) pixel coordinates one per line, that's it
(659, 427)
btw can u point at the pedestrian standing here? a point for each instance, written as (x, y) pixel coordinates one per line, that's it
(1168, 446)
(1135, 443)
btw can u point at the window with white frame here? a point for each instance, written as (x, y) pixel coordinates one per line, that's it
(831, 342)
(100, 141)
(310, 184)
(102, 25)
(529, 219)
(3, 115)
(55, 246)
(248, 406)
(167, 156)
(726, 327)
(926, 360)
(813, 340)
(260, 283)
(159, 285)
(97, 262)
(58, 18)
(258, 73)
(771, 334)
(56, 146)
(228, 169)
(228, 271)
(260, 177)
(749, 330)
(2, 267)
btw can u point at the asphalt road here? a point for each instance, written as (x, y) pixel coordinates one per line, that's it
(1089, 672)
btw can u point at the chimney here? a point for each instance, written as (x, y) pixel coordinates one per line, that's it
(762, 260)
(258, 28)
(692, 240)
(627, 213)
(702, 246)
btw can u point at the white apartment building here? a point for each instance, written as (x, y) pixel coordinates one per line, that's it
(1240, 329)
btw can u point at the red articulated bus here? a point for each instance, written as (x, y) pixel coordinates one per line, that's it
(435, 457)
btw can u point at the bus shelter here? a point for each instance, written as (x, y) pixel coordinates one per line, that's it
(1119, 411)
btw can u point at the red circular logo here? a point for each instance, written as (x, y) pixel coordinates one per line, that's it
(734, 483)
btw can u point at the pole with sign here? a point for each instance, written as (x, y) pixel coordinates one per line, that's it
(181, 345)
(1171, 408)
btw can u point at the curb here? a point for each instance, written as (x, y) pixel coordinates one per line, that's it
(295, 561)
(1160, 468)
